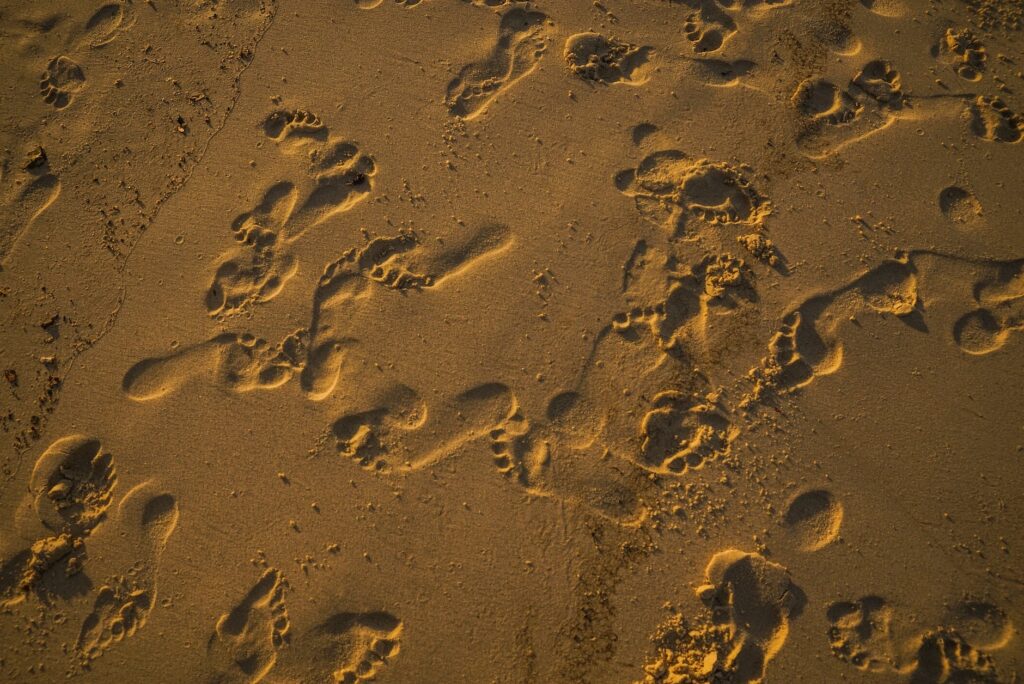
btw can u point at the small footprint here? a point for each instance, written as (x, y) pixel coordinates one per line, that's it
(246, 640)
(960, 206)
(61, 81)
(594, 57)
(813, 519)
(964, 52)
(145, 520)
(861, 633)
(680, 433)
(708, 28)
(522, 40)
(992, 120)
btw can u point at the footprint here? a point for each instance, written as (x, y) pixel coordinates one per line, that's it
(71, 484)
(674, 191)
(964, 52)
(107, 23)
(336, 177)
(960, 206)
(754, 599)
(807, 347)
(345, 648)
(708, 28)
(395, 264)
(813, 519)
(61, 81)
(33, 190)
(720, 73)
(288, 124)
(239, 363)
(992, 120)
(607, 60)
(861, 633)
(340, 289)
(375, 438)
(834, 118)
(246, 640)
(522, 40)
(1000, 312)
(255, 271)
(70, 492)
(680, 433)
(123, 603)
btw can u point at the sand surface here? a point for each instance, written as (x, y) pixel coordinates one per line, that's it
(435, 341)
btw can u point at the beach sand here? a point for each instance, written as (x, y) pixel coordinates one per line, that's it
(436, 341)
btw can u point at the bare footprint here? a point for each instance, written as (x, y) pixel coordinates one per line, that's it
(864, 633)
(145, 520)
(32, 191)
(607, 60)
(992, 120)
(807, 346)
(337, 176)
(345, 648)
(861, 632)
(522, 40)
(239, 363)
(672, 190)
(834, 117)
(72, 485)
(246, 640)
(62, 79)
(1000, 312)
(754, 599)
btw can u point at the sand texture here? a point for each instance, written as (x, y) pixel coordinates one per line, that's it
(505, 341)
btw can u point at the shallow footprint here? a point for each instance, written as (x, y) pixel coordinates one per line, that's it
(522, 40)
(345, 648)
(145, 520)
(246, 640)
(237, 362)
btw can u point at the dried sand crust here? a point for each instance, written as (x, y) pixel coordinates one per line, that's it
(511, 341)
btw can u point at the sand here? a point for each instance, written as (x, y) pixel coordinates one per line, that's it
(633, 341)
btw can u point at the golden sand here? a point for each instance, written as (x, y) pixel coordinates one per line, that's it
(435, 341)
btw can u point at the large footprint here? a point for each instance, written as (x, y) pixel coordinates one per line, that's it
(246, 640)
(240, 363)
(522, 40)
(751, 602)
(865, 633)
(146, 519)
